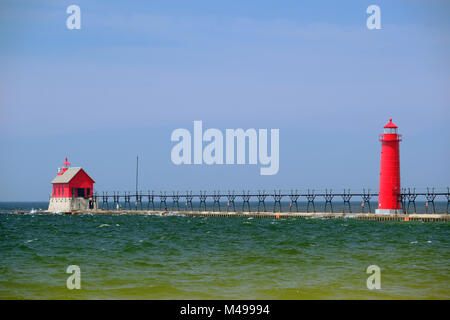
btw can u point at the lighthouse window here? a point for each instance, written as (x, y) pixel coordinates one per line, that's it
(390, 130)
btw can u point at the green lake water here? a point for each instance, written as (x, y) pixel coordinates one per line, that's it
(176, 257)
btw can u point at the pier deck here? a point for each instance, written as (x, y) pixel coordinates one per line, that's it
(275, 215)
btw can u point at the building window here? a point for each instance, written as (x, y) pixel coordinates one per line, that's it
(80, 192)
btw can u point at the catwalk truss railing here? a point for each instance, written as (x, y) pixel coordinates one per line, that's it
(159, 201)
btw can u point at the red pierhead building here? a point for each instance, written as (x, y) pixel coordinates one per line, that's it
(72, 182)
(73, 189)
(389, 198)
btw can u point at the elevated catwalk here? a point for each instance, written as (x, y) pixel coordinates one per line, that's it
(263, 202)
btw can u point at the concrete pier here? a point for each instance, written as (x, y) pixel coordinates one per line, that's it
(274, 215)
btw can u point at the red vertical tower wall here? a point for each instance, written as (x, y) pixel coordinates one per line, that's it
(389, 192)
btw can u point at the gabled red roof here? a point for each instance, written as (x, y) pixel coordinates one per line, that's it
(69, 174)
(390, 124)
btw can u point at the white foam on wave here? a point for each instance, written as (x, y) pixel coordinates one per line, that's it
(103, 225)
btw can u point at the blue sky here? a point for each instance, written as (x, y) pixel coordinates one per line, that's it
(136, 71)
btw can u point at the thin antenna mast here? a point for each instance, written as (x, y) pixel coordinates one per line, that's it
(137, 170)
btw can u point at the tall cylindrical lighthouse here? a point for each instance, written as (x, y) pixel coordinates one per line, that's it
(389, 199)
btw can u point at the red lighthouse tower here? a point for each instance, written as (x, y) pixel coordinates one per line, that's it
(389, 193)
